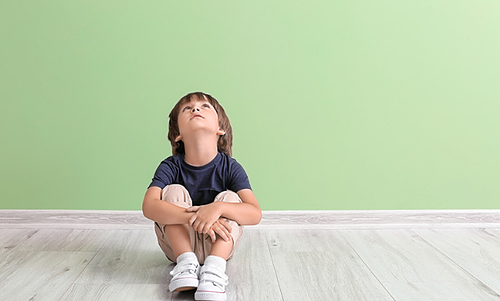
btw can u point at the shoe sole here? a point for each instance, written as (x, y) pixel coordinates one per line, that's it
(185, 288)
(199, 296)
(182, 285)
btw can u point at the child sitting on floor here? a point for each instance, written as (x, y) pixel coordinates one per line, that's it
(200, 197)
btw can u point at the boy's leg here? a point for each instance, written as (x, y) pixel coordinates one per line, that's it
(222, 248)
(176, 243)
(213, 278)
(175, 240)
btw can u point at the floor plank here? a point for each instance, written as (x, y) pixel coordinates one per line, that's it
(251, 273)
(122, 292)
(475, 250)
(40, 275)
(320, 265)
(411, 269)
(10, 239)
(75, 240)
(128, 257)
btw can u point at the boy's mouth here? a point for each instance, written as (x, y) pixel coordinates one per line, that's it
(196, 115)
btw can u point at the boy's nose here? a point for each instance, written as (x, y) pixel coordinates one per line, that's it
(195, 109)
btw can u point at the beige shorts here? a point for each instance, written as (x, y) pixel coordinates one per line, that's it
(201, 243)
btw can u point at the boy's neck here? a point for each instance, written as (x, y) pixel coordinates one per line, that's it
(199, 153)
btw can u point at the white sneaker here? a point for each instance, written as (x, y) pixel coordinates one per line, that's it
(185, 277)
(212, 285)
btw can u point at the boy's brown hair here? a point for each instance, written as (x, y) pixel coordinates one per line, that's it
(225, 142)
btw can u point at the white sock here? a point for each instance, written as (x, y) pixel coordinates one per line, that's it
(188, 256)
(217, 261)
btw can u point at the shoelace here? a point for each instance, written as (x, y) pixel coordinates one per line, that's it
(214, 275)
(188, 267)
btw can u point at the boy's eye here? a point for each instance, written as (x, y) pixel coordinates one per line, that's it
(206, 105)
(187, 108)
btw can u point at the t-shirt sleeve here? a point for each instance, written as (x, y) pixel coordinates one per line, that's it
(238, 178)
(164, 174)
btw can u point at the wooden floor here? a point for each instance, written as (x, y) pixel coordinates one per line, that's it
(50, 255)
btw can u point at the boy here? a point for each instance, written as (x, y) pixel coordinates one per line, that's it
(199, 197)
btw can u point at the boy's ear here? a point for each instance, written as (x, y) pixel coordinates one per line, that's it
(178, 138)
(221, 132)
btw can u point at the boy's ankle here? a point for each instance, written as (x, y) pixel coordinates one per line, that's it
(217, 261)
(187, 256)
(185, 274)
(213, 280)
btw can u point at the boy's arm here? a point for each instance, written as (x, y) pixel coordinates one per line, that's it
(246, 213)
(163, 212)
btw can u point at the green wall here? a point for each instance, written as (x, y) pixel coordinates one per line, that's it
(334, 104)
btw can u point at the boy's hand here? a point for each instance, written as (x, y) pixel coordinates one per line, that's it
(205, 216)
(222, 228)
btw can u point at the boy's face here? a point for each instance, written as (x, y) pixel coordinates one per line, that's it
(198, 115)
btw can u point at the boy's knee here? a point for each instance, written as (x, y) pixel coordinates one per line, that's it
(176, 194)
(228, 196)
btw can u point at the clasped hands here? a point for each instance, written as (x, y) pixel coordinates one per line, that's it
(207, 219)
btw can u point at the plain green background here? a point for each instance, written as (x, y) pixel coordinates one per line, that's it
(334, 104)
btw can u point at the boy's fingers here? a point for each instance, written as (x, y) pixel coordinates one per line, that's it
(223, 235)
(196, 226)
(200, 227)
(211, 233)
(191, 220)
(192, 209)
(227, 233)
(227, 225)
(221, 231)
(205, 228)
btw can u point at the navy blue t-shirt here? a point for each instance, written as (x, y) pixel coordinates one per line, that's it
(203, 182)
